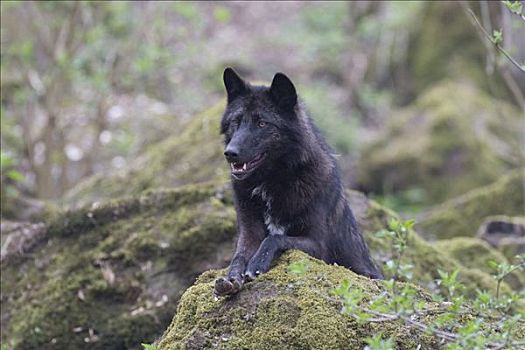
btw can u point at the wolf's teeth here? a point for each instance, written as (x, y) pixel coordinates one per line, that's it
(244, 166)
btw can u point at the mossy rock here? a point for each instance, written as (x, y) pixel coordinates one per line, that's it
(475, 253)
(118, 267)
(454, 138)
(192, 155)
(462, 216)
(108, 276)
(280, 310)
(283, 309)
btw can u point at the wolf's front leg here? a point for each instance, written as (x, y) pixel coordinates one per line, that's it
(249, 240)
(273, 246)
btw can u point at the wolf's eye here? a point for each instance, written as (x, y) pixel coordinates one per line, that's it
(261, 124)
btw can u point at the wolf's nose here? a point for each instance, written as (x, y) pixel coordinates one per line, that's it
(231, 153)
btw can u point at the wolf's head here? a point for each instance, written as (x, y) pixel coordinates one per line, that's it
(261, 125)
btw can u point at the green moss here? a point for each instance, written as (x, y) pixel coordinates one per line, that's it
(117, 268)
(462, 216)
(280, 310)
(453, 139)
(192, 155)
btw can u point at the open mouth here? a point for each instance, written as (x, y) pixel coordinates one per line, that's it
(240, 170)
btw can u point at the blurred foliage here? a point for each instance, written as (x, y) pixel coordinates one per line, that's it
(10, 178)
(88, 86)
(322, 107)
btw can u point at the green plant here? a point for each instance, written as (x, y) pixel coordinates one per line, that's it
(486, 322)
(149, 346)
(505, 269)
(515, 7)
(378, 343)
(7, 163)
(11, 181)
(298, 267)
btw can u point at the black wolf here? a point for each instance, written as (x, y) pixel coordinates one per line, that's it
(287, 187)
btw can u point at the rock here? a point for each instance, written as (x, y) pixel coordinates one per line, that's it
(454, 138)
(280, 310)
(462, 216)
(288, 309)
(504, 232)
(108, 276)
(426, 257)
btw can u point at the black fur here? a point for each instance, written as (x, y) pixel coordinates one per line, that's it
(290, 196)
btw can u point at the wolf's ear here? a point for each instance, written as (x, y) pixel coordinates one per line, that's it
(283, 92)
(234, 84)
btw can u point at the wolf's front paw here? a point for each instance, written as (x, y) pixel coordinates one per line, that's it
(227, 285)
(255, 268)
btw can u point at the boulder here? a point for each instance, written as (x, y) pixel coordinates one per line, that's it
(281, 310)
(289, 308)
(108, 276)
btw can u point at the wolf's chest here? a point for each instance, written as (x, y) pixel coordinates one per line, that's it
(272, 222)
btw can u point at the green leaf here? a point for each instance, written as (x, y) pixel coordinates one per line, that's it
(394, 224)
(389, 284)
(493, 264)
(514, 6)
(378, 343)
(149, 346)
(381, 233)
(298, 267)
(497, 37)
(342, 289)
(408, 224)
